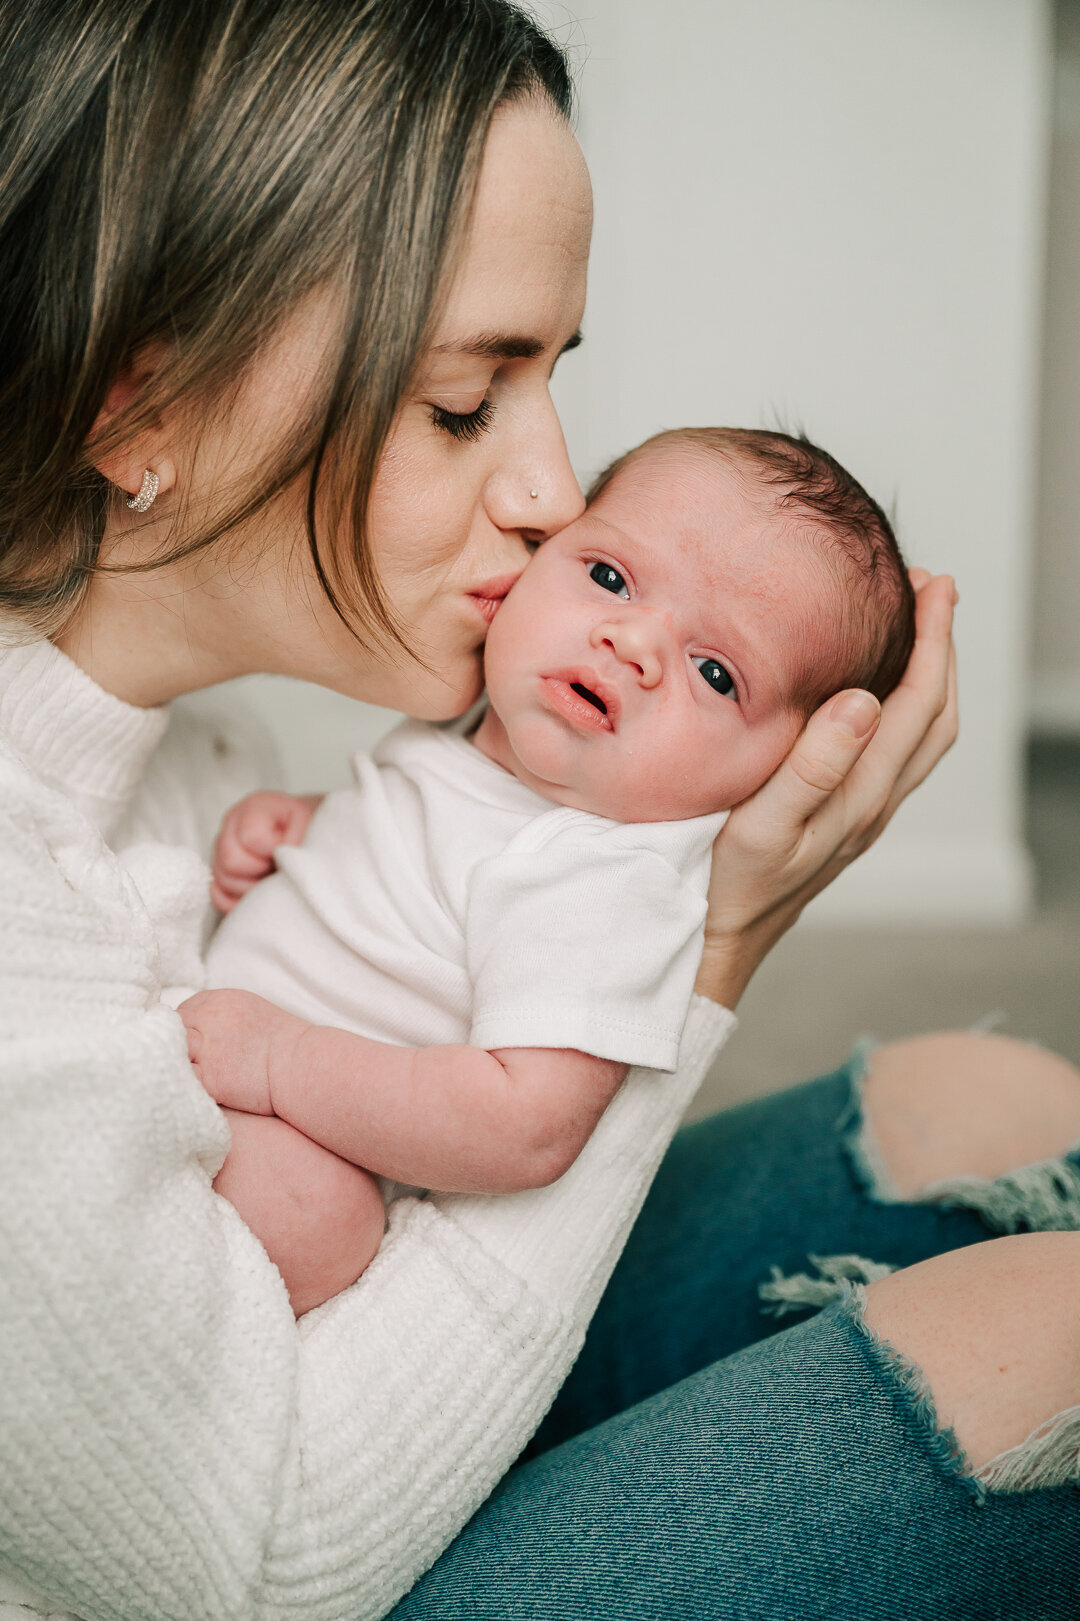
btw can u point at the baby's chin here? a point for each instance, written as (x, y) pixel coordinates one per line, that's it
(661, 809)
(626, 802)
(594, 786)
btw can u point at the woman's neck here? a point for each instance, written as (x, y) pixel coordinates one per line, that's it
(148, 638)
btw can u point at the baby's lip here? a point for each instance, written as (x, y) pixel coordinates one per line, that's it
(583, 698)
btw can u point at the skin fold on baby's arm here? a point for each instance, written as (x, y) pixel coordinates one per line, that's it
(454, 1118)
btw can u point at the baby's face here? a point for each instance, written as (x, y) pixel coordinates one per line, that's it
(644, 665)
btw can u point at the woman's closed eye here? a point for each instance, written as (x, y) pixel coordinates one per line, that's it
(464, 425)
(717, 677)
(609, 578)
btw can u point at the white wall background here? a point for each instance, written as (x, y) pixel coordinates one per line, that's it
(831, 213)
(1055, 701)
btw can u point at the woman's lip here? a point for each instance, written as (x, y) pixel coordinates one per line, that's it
(487, 607)
(557, 691)
(490, 594)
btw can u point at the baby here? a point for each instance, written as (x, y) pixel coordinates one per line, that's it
(454, 968)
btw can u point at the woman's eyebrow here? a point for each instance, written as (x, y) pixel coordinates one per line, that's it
(501, 346)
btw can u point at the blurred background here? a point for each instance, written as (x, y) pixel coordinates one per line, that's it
(862, 220)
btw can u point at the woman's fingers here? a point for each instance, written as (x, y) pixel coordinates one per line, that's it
(924, 687)
(831, 743)
(937, 742)
(917, 723)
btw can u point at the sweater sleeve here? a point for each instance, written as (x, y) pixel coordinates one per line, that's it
(172, 1444)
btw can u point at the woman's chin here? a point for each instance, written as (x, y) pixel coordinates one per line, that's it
(432, 695)
(443, 701)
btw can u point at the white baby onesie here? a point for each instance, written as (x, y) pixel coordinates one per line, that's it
(439, 901)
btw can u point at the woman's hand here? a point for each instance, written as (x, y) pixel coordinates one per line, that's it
(854, 763)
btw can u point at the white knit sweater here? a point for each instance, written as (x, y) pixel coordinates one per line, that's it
(173, 1446)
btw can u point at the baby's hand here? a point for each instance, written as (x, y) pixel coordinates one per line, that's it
(233, 1038)
(249, 835)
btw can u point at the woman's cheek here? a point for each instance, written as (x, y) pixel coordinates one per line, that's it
(462, 662)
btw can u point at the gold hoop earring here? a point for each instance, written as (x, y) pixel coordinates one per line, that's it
(147, 493)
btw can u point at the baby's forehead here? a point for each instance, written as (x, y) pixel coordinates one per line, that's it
(719, 513)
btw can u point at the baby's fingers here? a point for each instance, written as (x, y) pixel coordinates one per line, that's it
(264, 820)
(236, 869)
(225, 892)
(235, 857)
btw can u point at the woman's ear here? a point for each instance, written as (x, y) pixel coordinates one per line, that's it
(126, 465)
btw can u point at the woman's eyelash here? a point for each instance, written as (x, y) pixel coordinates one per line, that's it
(468, 425)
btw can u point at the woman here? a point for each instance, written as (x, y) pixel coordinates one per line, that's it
(309, 264)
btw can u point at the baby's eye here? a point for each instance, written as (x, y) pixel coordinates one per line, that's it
(609, 578)
(717, 677)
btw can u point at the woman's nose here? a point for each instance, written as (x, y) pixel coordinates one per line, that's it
(538, 495)
(635, 641)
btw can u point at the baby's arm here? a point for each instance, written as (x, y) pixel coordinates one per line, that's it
(453, 1118)
(318, 1218)
(250, 833)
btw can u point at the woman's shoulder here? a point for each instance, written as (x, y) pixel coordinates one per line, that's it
(74, 938)
(214, 751)
(86, 933)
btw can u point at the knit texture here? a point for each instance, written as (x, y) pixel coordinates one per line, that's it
(173, 1446)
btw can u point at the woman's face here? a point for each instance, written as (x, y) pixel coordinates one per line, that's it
(452, 514)
(453, 508)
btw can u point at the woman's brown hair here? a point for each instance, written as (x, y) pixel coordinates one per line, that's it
(181, 173)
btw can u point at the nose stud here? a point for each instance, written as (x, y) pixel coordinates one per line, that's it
(535, 494)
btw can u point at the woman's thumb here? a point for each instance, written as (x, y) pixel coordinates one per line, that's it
(832, 742)
(856, 712)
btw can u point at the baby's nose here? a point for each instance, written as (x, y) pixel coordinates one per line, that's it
(635, 641)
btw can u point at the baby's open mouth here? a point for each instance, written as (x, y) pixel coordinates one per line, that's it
(589, 697)
(581, 705)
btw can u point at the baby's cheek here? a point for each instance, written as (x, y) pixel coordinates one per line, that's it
(677, 778)
(767, 747)
(728, 762)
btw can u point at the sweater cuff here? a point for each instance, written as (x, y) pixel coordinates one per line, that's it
(564, 1240)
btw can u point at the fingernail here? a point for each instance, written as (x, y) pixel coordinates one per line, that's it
(856, 712)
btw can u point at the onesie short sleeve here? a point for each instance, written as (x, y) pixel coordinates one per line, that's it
(586, 933)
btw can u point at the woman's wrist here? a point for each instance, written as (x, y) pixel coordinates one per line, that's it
(729, 961)
(724, 973)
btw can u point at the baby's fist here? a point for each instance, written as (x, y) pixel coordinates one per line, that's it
(250, 833)
(233, 1039)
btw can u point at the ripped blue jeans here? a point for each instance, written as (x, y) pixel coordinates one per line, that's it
(726, 1451)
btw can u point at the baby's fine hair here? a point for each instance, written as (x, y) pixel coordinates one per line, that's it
(877, 605)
